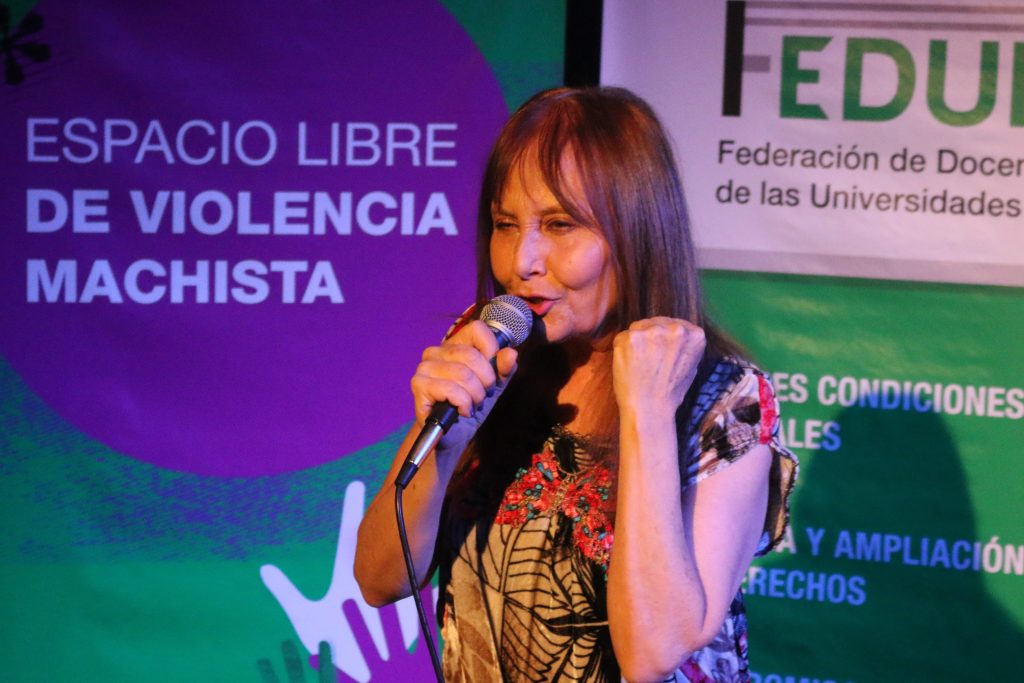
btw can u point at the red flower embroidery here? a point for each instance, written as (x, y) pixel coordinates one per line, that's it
(532, 491)
(541, 489)
(769, 415)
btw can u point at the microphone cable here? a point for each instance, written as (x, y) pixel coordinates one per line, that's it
(414, 584)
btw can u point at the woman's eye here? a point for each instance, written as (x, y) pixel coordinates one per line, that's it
(503, 225)
(562, 224)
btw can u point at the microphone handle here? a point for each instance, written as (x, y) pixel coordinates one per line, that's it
(429, 436)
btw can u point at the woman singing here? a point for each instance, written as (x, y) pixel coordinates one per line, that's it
(595, 521)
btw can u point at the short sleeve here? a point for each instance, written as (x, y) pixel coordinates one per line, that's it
(467, 316)
(735, 410)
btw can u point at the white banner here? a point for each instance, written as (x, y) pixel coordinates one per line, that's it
(867, 139)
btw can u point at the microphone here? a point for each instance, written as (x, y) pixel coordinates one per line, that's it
(510, 319)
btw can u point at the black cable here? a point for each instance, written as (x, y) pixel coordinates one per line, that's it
(582, 66)
(414, 584)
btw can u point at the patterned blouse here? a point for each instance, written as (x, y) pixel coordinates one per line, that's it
(524, 590)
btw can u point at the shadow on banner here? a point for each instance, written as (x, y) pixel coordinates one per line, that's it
(893, 516)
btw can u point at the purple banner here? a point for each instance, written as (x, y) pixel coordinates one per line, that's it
(222, 253)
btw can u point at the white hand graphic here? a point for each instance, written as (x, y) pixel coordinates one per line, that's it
(322, 620)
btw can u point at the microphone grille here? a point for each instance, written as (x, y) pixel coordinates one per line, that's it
(511, 315)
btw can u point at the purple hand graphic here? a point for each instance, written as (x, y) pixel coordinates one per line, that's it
(400, 665)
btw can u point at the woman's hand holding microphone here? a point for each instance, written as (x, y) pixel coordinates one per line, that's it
(461, 371)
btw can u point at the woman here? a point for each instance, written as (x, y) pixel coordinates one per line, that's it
(600, 521)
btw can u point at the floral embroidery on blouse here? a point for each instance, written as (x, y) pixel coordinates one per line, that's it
(542, 488)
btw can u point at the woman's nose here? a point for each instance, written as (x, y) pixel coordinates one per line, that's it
(531, 254)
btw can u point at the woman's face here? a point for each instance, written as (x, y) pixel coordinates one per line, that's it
(539, 252)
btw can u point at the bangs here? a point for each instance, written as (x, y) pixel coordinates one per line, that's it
(550, 145)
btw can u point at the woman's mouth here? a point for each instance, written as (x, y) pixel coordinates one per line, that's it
(539, 305)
